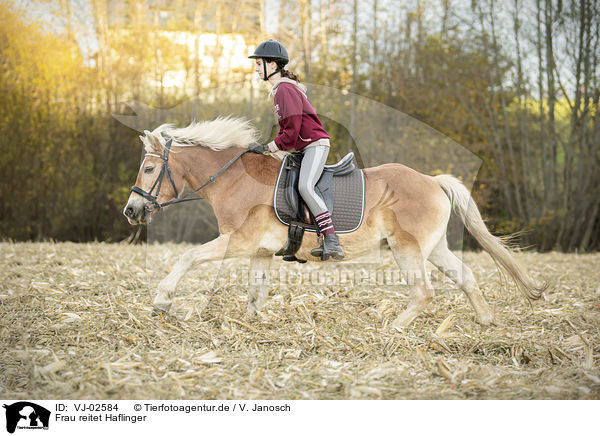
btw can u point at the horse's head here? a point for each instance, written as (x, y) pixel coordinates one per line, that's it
(159, 181)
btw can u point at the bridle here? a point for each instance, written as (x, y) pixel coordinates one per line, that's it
(166, 170)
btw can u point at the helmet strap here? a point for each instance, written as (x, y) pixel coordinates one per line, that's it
(266, 78)
(278, 70)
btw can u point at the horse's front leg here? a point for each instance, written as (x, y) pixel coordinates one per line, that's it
(258, 281)
(213, 250)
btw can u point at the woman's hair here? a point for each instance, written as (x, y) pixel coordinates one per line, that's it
(286, 73)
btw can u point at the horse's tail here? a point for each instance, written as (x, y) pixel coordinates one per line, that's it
(464, 205)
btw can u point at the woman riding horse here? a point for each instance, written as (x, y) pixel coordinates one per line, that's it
(301, 130)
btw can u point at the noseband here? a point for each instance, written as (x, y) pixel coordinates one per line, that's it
(166, 170)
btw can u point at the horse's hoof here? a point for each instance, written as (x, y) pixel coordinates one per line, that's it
(487, 321)
(396, 329)
(161, 310)
(400, 324)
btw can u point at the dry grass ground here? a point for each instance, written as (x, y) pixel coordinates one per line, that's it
(76, 323)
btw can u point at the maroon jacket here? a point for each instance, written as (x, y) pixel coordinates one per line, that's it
(299, 124)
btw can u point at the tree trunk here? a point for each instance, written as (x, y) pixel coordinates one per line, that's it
(374, 58)
(354, 75)
(197, 33)
(324, 42)
(527, 166)
(305, 25)
(496, 143)
(507, 133)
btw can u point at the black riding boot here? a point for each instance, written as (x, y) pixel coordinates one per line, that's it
(295, 235)
(330, 247)
(288, 251)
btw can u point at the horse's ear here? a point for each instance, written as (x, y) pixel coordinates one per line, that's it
(153, 141)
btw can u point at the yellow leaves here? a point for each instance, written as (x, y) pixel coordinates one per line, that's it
(37, 58)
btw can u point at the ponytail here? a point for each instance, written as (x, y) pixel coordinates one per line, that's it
(286, 73)
(289, 75)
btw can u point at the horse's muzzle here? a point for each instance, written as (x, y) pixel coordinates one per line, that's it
(130, 212)
(137, 211)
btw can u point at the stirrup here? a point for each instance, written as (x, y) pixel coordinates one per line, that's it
(293, 258)
(317, 252)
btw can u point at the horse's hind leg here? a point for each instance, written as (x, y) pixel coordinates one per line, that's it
(462, 275)
(213, 250)
(412, 265)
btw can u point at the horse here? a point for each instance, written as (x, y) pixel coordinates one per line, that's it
(407, 209)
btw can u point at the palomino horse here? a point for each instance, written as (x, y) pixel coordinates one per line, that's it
(408, 209)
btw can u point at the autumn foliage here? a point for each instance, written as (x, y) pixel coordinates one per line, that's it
(515, 82)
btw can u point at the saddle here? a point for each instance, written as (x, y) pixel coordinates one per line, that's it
(342, 188)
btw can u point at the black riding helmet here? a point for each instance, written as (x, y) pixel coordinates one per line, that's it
(272, 51)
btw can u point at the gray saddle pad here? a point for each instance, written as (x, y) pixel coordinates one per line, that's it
(348, 201)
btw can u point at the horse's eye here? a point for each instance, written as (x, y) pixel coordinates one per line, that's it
(148, 170)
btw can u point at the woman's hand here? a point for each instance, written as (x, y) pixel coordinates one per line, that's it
(255, 147)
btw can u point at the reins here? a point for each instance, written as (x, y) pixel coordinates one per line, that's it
(165, 169)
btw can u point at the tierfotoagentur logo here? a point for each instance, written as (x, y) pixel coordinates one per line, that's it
(357, 275)
(24, 415)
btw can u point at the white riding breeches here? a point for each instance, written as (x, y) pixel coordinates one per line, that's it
(311, 169)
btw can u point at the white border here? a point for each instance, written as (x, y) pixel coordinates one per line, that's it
(327, 417)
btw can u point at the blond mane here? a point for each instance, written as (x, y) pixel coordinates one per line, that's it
(219, 134)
